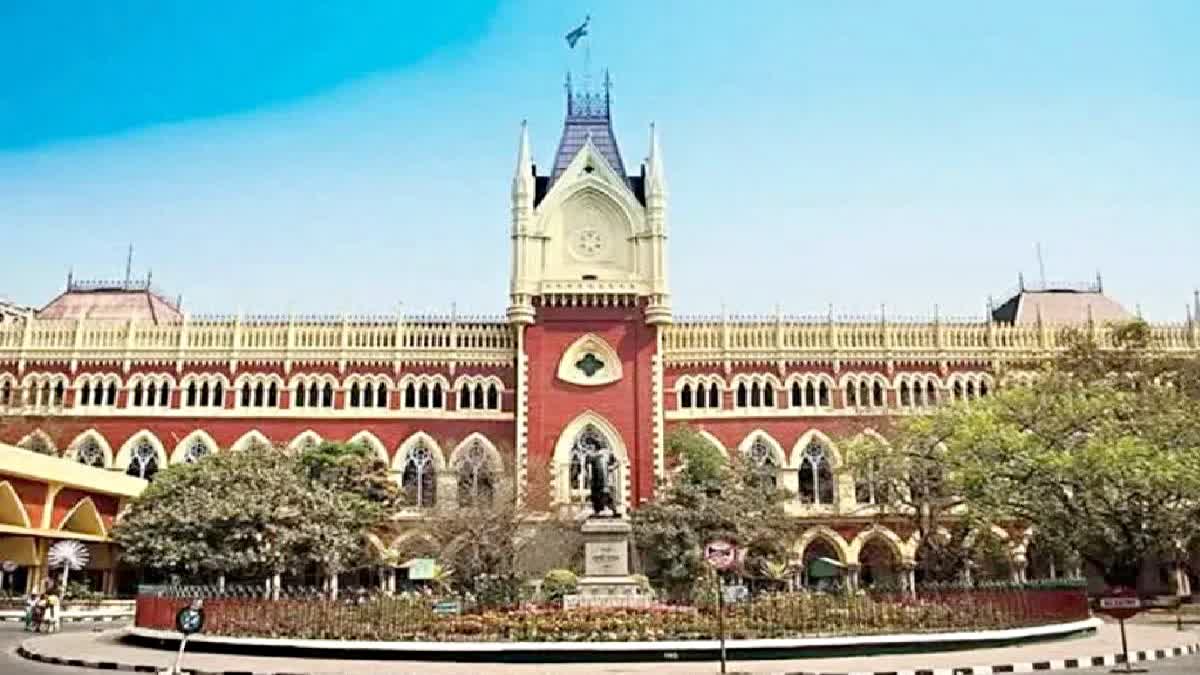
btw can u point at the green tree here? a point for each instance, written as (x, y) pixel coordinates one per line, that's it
(709, 500)
(1101, 456)
(260, 511)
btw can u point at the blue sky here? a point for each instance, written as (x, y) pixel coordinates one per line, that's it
(328, 157)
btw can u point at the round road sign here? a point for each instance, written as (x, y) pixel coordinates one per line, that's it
(722, 555)
(1121, 603)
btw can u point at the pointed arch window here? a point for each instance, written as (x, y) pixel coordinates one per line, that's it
(493, 397)
(6, 392)
(816, 475)
(90, 453)
(410, 396)
(419, 482)
(381, 396)
(762, 458)
(38, 443)
(143, 461)
(714, 396)
(476, 476)
(589, 442)
(355, 399)
(196, 451)
(685, 396)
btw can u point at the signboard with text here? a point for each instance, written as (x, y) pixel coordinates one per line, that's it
(722, 555)
(1122, 603)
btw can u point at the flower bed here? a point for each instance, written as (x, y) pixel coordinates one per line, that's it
(778, 616)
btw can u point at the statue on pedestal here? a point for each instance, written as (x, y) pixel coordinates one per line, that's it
(601, 492)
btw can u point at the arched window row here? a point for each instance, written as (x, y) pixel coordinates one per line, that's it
(205, 391)
(150, 391)
(815, 391)
(424, 392)
(864, 391)
(367, 394)
(811, 391)
(478, 396)
(699, 392)
(258, 391)
(812, 472)
(969, 386)
(917, 390)
(41, 392)
(754, 391)
(97, 390)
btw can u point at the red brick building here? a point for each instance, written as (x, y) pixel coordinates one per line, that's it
(588, 356)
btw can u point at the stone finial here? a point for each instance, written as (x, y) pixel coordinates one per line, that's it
(656, 183)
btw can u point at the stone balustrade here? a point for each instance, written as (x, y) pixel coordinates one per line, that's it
(232, 339)
(786, 340)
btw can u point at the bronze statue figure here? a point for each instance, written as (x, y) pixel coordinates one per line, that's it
(601, 496)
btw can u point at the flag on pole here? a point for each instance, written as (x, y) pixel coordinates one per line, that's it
(574, 35)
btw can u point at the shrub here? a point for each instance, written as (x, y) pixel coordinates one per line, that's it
(558, 583)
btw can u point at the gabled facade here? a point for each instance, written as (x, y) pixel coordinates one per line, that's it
(587, 356)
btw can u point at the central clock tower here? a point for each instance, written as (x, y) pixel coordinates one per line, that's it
(588, 296)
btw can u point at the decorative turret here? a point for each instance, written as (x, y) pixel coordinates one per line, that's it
(656, 182)
(658, 311)
(523, 183)
(520, 309)
(588, 233)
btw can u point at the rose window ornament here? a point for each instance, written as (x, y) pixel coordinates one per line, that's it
(589, 242)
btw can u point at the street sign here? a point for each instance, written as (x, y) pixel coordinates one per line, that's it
(447, 608)
(1122, 604)
(190, 620)
(722, 555)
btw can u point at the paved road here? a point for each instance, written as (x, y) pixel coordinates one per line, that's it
(11, 635)
(1184, 665)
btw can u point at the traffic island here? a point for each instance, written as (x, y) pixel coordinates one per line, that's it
(108, 651)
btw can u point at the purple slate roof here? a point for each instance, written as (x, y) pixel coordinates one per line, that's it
(588, 115)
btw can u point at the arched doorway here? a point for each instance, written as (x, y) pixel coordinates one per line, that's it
(821, 567)
(880, 565)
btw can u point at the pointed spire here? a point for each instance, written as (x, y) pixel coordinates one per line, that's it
(70, 277)
(129, 266)
(656, 183)
(1196, 304)
(522, 187)
(1099, 282)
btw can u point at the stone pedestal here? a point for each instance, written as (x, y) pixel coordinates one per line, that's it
(606, 581)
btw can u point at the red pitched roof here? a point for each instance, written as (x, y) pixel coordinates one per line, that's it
(111, 302)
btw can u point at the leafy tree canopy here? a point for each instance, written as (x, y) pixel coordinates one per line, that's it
(256, 512)
(1101, 457)
(710, 499)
